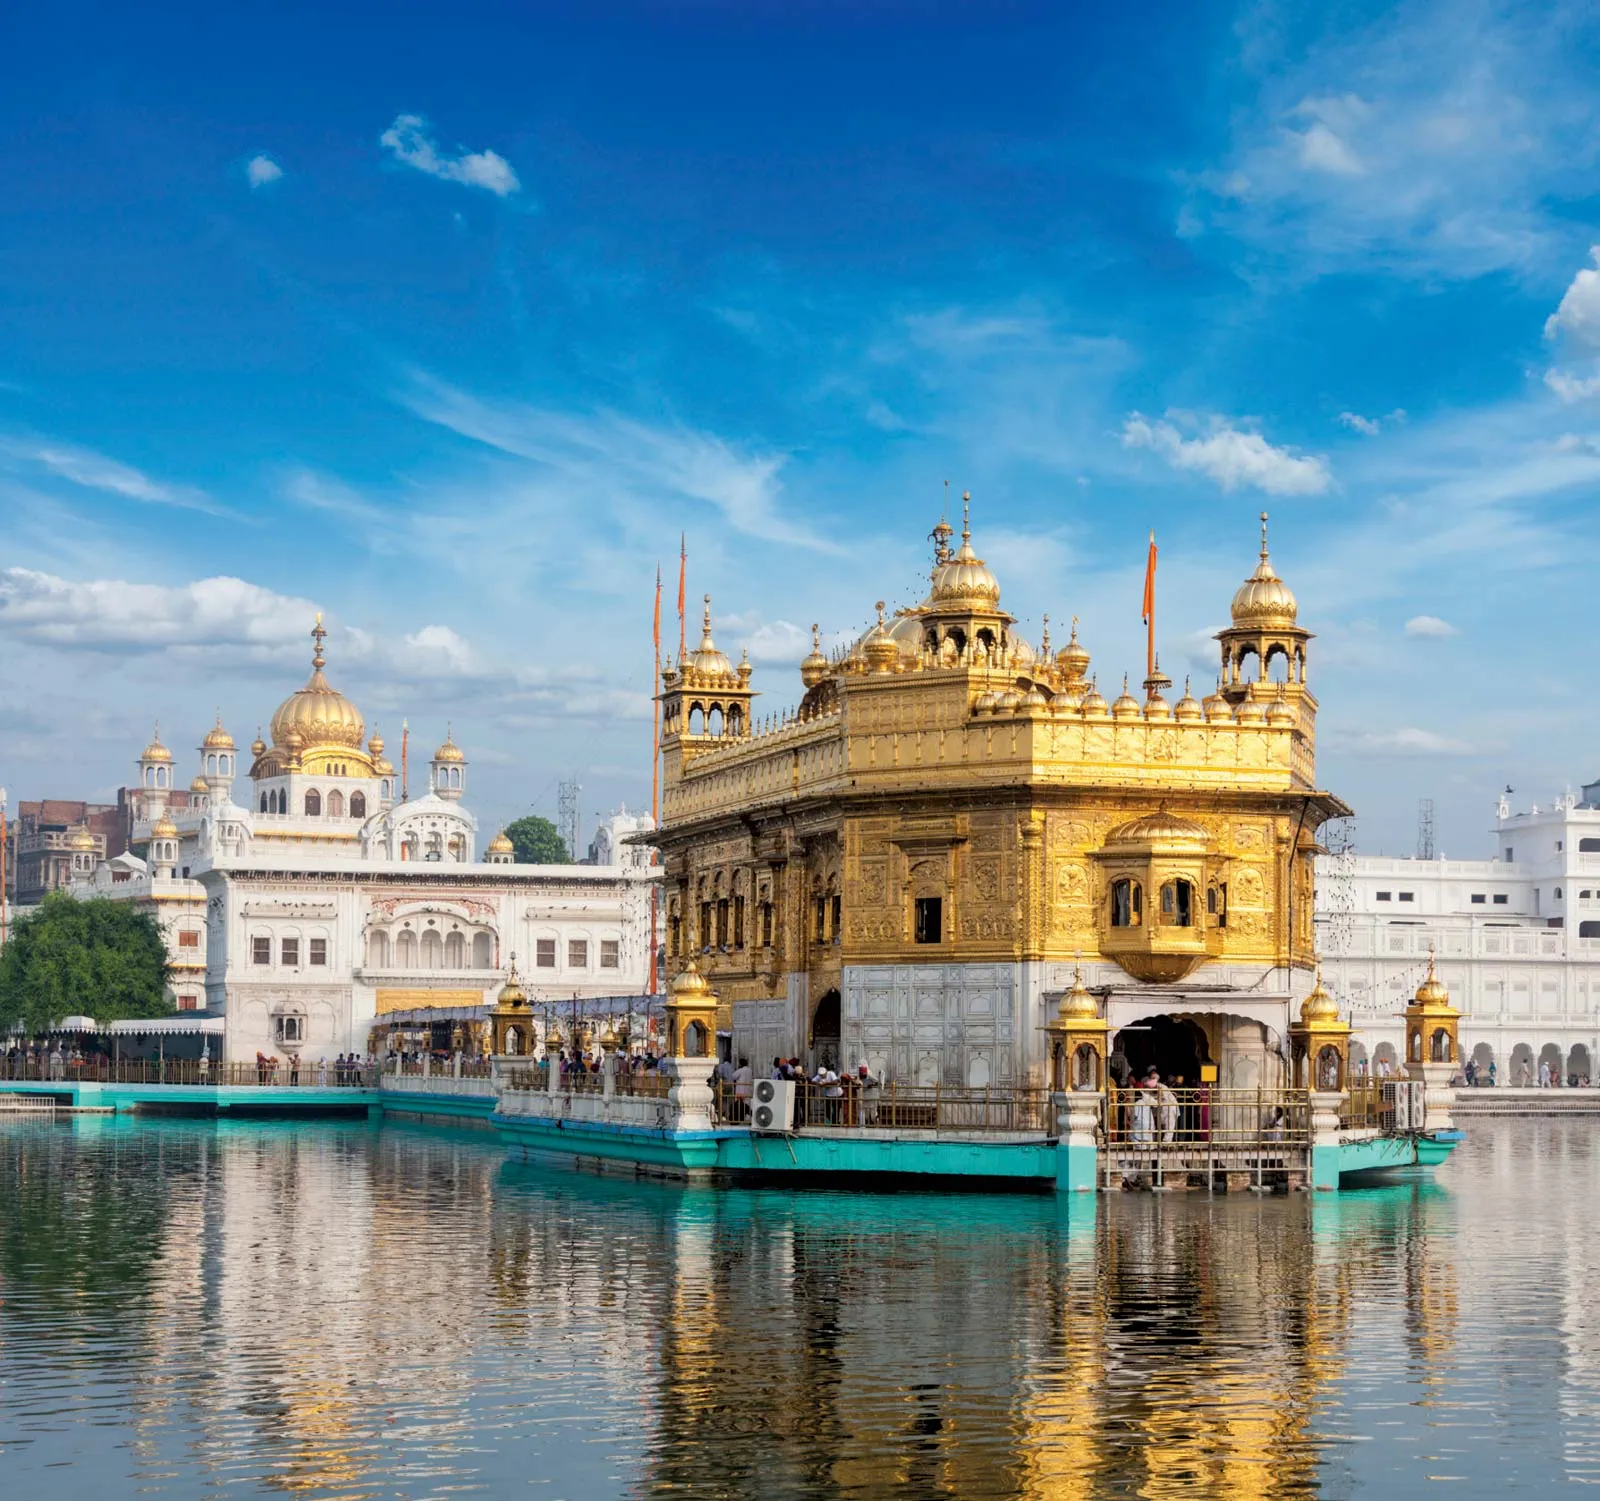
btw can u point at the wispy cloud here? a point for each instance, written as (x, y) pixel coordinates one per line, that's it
(1429, 625)
(93, 471)
(409, 142)
(1406, 741)
(1434, 139)
(1230, 456)
(260, 170)
(607, 459)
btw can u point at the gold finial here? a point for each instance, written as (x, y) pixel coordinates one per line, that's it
(1044, 643)
(318, 635)
(708, 615)
(1074, 627)
(879, 608)
(816, 636)
(1263, 536)
(966, 515)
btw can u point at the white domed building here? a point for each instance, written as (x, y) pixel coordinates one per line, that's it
(326, 904)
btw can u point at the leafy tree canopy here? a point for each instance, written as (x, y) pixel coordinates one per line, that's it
(536, 842)
(96, 958)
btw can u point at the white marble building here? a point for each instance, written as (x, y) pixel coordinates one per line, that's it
(1517, 937)
(323, 902)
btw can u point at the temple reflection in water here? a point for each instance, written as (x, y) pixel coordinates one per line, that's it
(347, 1311)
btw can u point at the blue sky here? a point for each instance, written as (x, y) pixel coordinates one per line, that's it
(449, 323)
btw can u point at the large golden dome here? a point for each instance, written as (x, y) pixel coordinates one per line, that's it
(321, 715)
(1264, 599)
(709, 661)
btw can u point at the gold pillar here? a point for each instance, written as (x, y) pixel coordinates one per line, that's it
(1078, 1040)
(1432, 1023)
(1319, 1043)
(511, 1021)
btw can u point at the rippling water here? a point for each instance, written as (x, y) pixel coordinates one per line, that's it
(189, 1308)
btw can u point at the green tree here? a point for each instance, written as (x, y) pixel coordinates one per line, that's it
(96, 958)
(536, 842)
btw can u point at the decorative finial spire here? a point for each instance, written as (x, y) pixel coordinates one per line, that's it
(1044, 642)
(1186, 692)
(318, 635)
(879, 608)
(816, 637)
(966, 515)
(708, 615)
(1263, 536)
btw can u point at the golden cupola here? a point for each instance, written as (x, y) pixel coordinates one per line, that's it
(156, 753)
(814, 667)
(217, 738)
(1264, 649)
(321, 716)
(961, 578)
(708, 661)
(1264, 599)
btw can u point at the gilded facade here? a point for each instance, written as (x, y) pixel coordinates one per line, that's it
(903, 868)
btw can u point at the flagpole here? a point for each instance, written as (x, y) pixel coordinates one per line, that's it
(655, 776)
(1150, 608)
(683, 573)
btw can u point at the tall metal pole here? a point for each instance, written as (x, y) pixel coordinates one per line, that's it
(3, 923)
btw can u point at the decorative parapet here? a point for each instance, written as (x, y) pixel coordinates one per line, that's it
(651, 1112)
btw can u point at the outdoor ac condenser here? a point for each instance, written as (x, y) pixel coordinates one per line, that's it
(772, 1105)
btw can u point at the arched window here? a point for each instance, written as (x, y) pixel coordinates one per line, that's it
(358, 805)
(1589, 929)
(1177, 904)
(455, 951)
(435, 850)
(1329, 1069)
(959, 637)
(694, 1040)
(1217, 903)
(432, 950)
(714, 720)
(313, 803)
(405, 949)
(378, 950)
(1441, 1046)
(1127, 904)
(263, 802)
(336, 804)
(482, 951)
(408, 848)
(1277, 665)
(458, 847)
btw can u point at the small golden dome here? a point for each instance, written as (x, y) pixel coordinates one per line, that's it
(383, 768)
(258, 746)
(1251, 711)
(1094, 704)
(217, 738)
(1034, 699)
(1188, 708)
(1432, 992)
(1160, 827)
(1008, 702)
(156, 751)
(986, 703)
(814, 666)
(1073, 659)
(1216, 706)
(1281, 711)
(162, 828)
(317, 713)
(1078, 1005)
(198, 784)
(1264, 599)
(708, 661)
(608, 1039)
(1126, 706)
(500, 845)
(962, 577)
(878, 646)
(552, 1037)
(1319, 1006)
(375, 746)
(691, 987)
(449, 751)
(82, 839)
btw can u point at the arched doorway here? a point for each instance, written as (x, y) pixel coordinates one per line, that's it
(1579, 1069)
(1173, 1046)
(1550, 1056)
(825, 1031)
(1522, 1066)
(1482, 1058)
(1360, 1064)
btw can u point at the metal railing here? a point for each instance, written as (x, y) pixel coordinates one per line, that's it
(1222, 1118)
(1392, 1106)
(904, 1107)
(278, 1073)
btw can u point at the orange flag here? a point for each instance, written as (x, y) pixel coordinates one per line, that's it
(1150, 583)
(683, 567)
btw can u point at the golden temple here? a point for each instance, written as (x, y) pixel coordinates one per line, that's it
(905, 868)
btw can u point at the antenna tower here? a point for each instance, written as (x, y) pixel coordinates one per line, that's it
(567, 814)
(1425, 829)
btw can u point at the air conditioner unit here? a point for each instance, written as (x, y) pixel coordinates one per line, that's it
(772, 1105)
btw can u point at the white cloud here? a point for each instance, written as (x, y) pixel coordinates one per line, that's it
(1429, 625)
(260, 170)
(1439, 139)
(610, 461)
(442, 645)
(116, 615)
(1571, 388)
(1578, 316)
(1408, 741)
(94, 471)
(1371, 426)
(1230, 456)
(409, 143)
